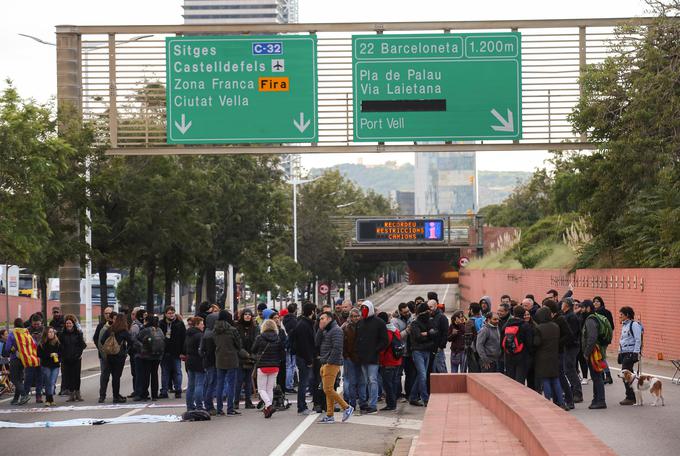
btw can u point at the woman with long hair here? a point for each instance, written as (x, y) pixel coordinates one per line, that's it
(48, 352)
(72, 345)
(118, 331)
(248, 331)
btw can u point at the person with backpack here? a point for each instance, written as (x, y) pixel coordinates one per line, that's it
(50, 362)
(457, 338)
(136, 326)
(269, 352)
(600, 309)
(152, 345)
(630, 348)
(488, 344)
(390, 360)
(595, 337)
(516, 341)
(72, 346)
(469, 339)
(194, 364)
(546, 358)
(476, 316)
(33, 374)
(423, 340)
(117, 341)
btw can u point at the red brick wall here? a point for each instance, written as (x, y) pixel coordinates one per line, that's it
(29, 306)
(654, 294)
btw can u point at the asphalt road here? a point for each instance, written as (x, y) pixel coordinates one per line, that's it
(628, 430)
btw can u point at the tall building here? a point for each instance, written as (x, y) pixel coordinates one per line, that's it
(446, 183)
(240, 11)
(403, 202)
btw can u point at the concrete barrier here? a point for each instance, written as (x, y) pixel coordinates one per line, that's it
(539, 427)
(652, 293)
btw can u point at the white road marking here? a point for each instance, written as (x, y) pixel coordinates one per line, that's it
(387, 421)
(294, 436)
(131, 412)
(313, 450)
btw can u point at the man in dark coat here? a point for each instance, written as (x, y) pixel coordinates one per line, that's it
(371, 339)
(171, 365)
(546, 357)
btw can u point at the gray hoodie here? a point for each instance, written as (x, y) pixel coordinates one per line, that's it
(489, 343)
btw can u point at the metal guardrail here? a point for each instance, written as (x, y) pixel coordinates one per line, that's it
(459, 230)
(120, 71)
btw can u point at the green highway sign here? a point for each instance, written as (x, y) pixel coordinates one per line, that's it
(241, 89)
(437, 87)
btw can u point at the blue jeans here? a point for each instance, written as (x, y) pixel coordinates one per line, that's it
(194, 397)
(49, 379)
(351, 379)
(244, 383)
(209, 390)
(33, 374)
(553, 389)
(370, 375)
(226, 382)
(389, 374)
(421, 360)
(457, 362)
(171, 367)
(439, 362)
(290, 370)
(304, 374)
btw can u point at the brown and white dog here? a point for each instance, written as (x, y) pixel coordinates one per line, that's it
(643, 383)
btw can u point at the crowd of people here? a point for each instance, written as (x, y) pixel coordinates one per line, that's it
(551, 347)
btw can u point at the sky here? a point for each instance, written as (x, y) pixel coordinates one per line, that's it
(32, 66)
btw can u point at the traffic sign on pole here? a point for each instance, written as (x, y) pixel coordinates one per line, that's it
(241, 89)
(463, 261)
(437, 87)
(323, 288)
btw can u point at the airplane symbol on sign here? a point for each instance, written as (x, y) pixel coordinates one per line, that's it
(278, 65)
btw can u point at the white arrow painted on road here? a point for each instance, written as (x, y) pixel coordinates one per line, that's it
(508, 125)
(302, 125)
(184, 127)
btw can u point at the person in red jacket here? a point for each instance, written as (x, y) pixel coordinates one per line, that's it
(389, 363)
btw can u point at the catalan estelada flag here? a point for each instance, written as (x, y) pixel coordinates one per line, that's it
(28, 352)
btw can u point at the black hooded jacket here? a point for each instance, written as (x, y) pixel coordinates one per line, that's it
(604, 311)
(192, 342)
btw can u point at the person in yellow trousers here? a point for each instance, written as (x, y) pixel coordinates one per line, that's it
(330, 339)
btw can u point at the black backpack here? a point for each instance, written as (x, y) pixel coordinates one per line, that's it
(155, 343)
(397, 346)
(196, 415)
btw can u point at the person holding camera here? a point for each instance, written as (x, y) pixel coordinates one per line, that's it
(630, 347)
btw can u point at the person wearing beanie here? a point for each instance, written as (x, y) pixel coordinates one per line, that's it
(598, 302)
(302, 342)
(267, 314)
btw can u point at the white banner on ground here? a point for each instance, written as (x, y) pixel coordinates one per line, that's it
(93, 421)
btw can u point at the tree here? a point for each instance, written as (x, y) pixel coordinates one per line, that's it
(41, 178)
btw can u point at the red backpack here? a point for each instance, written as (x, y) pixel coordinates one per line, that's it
(511, 344)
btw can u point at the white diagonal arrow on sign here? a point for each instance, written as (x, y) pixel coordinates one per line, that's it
(184, 127)
(508, 125)
(302, 125)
